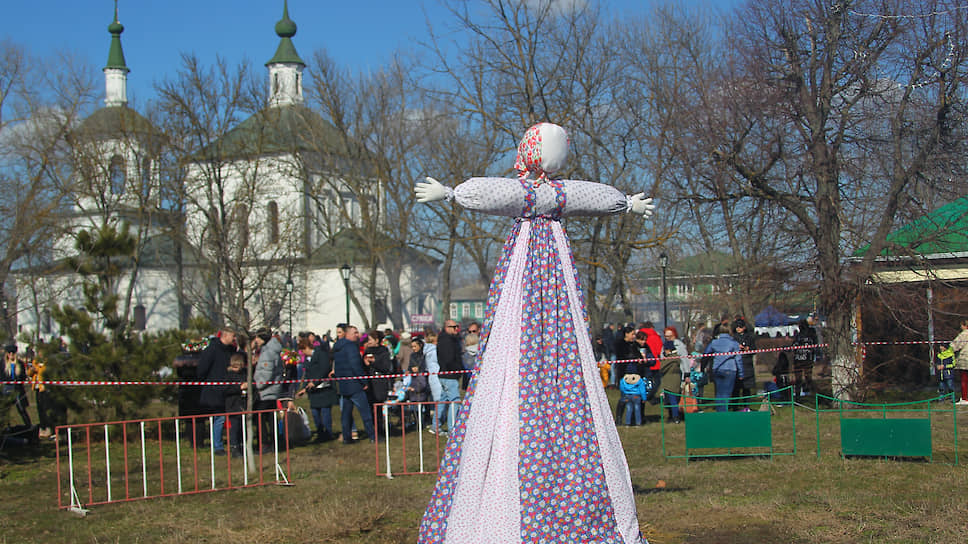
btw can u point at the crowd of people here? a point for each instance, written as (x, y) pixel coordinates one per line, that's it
(433, 368)
(344, 371)
(634, 359)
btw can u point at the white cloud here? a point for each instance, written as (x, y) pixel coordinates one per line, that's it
(560, 7)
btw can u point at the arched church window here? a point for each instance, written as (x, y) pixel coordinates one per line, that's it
(241, 223)
(145, 173)
(140, 317)
(275, 83)
(273, 218)
(211, 228)
(116, 174)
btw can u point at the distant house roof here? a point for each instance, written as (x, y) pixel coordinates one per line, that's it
(477, 291)
(713, 263)
(941, 233)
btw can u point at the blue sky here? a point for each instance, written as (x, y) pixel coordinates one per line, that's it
(361, 33)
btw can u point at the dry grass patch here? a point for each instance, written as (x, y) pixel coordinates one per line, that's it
(338, 498)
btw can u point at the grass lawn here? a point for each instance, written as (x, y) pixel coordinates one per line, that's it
(336, 496)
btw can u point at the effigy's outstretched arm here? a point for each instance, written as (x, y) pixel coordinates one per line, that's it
(589, 198)
(495, 196)
(431, 190)
(639, 204)
(507, 196)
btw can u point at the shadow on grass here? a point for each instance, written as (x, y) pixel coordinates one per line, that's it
(656, 490)
(27, 453)
(731, 457)
(887, 458)
(741, 533)
(646, 419)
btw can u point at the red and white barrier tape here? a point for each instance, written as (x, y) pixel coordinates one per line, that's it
(84, 383)
(376, 376)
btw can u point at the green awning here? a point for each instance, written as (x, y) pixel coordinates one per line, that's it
(943, 231)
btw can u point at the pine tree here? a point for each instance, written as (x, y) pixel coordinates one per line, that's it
(102, 344)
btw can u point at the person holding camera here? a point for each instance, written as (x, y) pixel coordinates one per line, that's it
(321, 390)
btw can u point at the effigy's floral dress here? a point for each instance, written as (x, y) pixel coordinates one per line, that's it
(534, 456)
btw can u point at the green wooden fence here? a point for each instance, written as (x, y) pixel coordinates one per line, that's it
(744, 431)
(891, 430)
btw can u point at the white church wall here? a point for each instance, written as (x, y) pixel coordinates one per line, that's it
(324, 303)
(154, 289)
(250, 186)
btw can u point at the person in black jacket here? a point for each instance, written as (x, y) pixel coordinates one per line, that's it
(377, 362)
(322, 391)
(449, 357)
(235, 401)
(348, 363)
(803, 357)
(747, 342)
(213, 366)
(626, 349)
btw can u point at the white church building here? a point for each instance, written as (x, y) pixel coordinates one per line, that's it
(269, 226)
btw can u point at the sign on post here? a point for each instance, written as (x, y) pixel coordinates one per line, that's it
(419, 321)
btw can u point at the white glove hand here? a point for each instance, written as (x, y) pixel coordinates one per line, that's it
(641, 205)
(430, 190)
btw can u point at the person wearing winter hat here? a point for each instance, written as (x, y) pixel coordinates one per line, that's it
(269, 370)
(746, 382)
(14, 370)
(213, 366)
(634, 390)
(403, 351)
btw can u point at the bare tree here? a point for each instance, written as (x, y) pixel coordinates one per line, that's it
(518, 63)
(835, 108)
(222, 173)
(39, 105)
(359, 148)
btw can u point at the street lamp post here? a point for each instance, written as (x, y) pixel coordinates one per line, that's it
(289, 287)
(664, 262)
(344, 271)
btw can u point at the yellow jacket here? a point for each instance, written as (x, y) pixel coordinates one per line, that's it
(35, 371)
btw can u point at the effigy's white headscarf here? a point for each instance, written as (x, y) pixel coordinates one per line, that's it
(542, 151)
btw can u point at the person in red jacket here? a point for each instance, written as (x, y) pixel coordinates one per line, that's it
(654, 353)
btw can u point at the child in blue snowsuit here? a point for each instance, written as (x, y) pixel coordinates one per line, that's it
(633, 389)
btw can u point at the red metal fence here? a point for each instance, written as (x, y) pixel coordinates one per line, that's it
(408, 441)
(140, 459)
